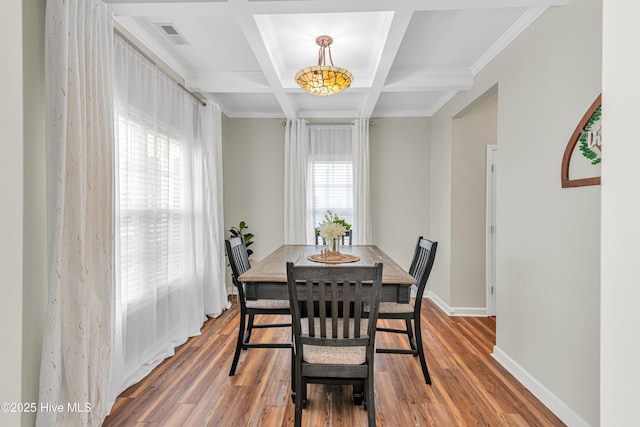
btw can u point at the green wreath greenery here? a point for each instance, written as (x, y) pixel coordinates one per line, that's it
(584, 147)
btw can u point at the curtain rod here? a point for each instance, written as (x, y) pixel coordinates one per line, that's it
(371, 123)
(330, 123)
(161, 67)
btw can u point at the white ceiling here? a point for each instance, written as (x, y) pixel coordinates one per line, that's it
(408, 57)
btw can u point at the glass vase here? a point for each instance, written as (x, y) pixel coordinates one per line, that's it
(332, 249)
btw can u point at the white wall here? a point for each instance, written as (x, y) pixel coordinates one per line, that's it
(11, 199)
(253, 157)
(548, 237)
(620, 348)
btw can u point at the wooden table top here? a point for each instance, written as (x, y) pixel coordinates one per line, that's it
(273, 267)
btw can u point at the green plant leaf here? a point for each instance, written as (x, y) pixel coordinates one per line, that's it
(247, 237)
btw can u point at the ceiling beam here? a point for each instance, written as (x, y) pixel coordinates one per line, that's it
(244, 15)
(399, 25)
(429, 80)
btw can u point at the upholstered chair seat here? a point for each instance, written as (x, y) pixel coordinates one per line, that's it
(395, 307)
(334, 355)
(268, 303)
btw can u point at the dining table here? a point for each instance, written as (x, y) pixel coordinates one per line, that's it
(267, 279)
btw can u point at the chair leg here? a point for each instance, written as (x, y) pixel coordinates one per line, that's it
(358, 393)
(249, 328)
(412, 342)
(300, 391)
(293, 374)
(423, 361)
(239, 345)
(304, 392)
(370, 400)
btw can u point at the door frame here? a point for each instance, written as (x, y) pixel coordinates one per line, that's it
(490, 228)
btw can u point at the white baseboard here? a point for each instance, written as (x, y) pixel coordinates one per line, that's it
(550, 400)
(456, 311)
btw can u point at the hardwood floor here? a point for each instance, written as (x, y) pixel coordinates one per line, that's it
(469, 387)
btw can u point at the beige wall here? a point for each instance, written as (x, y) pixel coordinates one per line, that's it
(548, 239)
(35, 232)
(253, 165)
(441, 137)
(11, 193)
(23, 217)
(473, 130)
(400, 170)
(253, 157)
(620, 349)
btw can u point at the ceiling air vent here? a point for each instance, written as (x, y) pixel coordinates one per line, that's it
(172, 33)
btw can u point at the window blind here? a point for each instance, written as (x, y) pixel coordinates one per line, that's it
(332, 187)
(152, 176)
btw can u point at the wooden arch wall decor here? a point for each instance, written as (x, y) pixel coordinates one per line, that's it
(588, 134)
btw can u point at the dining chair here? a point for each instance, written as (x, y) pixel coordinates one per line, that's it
(420, 269)
(335, 342)
(239, 262)
(346, 238)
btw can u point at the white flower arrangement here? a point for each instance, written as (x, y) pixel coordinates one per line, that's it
(332, 231)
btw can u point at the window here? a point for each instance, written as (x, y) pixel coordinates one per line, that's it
(151, 175)
(330, 172)
(331, 187)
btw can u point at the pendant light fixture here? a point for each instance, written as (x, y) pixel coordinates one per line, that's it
(323, 79)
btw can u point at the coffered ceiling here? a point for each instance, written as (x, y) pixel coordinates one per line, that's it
(408, 57)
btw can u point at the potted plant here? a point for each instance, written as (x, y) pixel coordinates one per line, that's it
(240, 231)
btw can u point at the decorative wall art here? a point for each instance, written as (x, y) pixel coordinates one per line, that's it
(582, 157)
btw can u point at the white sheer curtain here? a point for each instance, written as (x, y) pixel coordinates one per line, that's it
(168, 217)
(296, 147)
(361, 192)
(78, 333)
(211, 258)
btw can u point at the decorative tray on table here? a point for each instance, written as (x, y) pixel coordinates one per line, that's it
(329, 257)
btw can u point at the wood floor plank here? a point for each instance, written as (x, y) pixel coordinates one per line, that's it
(385, 385)
(469, 387)
(177, 415)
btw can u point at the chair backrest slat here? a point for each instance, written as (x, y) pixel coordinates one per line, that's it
(311, 309)
(334, 309)
(346, 309)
